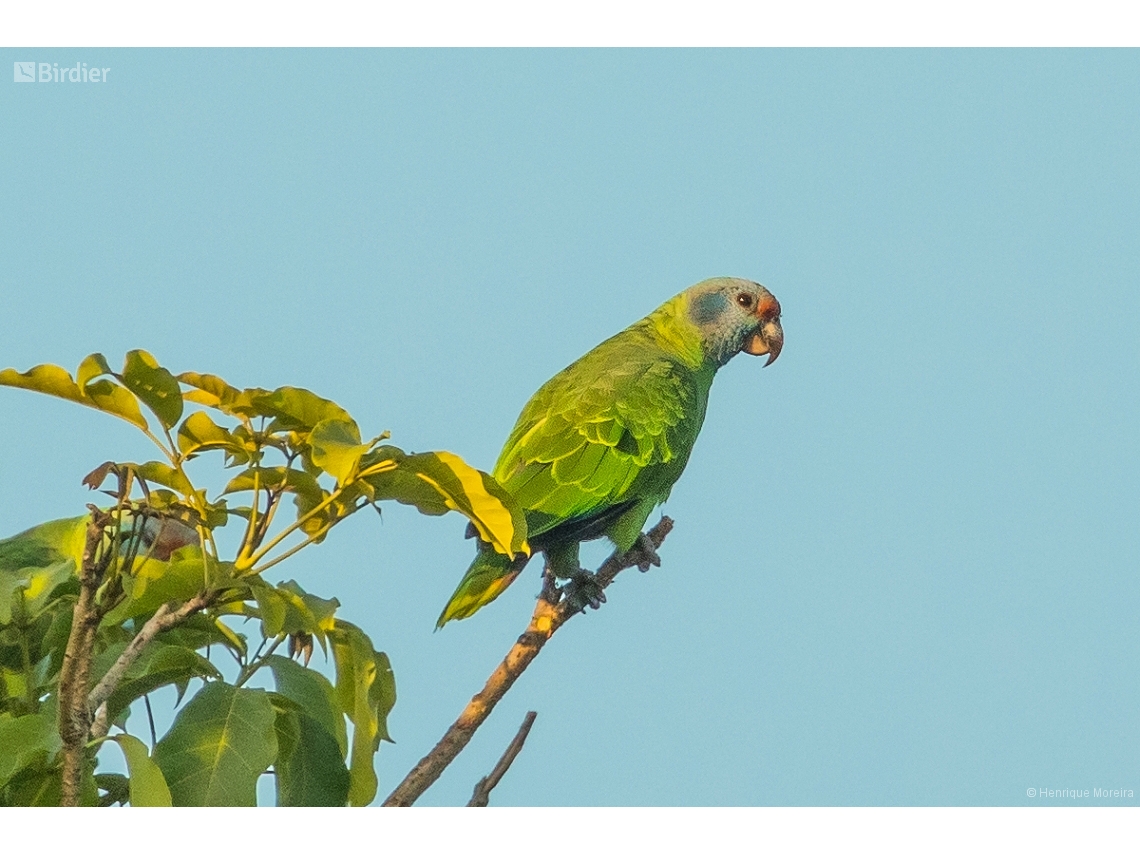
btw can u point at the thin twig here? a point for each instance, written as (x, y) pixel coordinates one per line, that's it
(150, 721)
(250, 668)
(482, 795)
(544, 622)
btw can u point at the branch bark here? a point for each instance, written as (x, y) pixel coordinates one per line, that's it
(84, 716)
(75, 671)
(550, 613)
(482, 795)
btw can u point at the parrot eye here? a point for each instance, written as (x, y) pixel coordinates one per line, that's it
(744, 300)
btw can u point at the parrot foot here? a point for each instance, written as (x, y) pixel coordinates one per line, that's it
(583, 590)
(644, 553)
(550, 590)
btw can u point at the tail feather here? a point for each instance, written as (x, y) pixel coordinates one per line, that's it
(487, 577)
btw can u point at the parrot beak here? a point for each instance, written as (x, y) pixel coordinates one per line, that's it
(768, 339)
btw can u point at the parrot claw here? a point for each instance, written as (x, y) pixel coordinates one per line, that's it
(648, 556)
(583, 590)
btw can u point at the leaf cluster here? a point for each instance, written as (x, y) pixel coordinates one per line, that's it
(154, 551)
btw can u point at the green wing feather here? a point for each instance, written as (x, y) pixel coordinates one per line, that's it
(618, 423)
(602, 441)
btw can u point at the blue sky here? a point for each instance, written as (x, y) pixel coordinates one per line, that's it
(904, 568)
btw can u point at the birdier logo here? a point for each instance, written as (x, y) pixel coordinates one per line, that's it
(50, 72)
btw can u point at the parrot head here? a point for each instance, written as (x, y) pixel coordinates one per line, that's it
(735, 316)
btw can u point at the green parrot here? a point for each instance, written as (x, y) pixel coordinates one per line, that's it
(601, 444)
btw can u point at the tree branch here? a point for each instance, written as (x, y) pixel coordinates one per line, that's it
(75, 672)
(165, 618)
(550, 612)
(482, 794)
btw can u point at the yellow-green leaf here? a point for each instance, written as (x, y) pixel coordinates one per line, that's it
(114, 399)
(101, 394)
(358, 670)
(212, 391)
(48, 379)
(93, 366)
(167, 476)
(288, 609)
(382, 695)
(34, 563)
(336, 447)
(436, 481)
(156, 582)
(278, 478)
(200, 433)
(296, 409)
(148, 786)
(154, 386)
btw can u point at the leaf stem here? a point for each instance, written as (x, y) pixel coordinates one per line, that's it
(258, 660)
(150, 721)
(311, 539)
(288, 530)
(251, 526)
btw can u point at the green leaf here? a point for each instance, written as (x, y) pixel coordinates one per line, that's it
(438, 481)
(336, 447)
(309, 769)
(159, 665)
(315, 613)
(118, 788)
(154, 386)
(44, 544)
(219, 745)
(382, 695)
(36, 562)
(296, 409)
(200, 433)
(313, 692)
(288, 609)
(198, 631)
(358, 669)
(235, 639)
(306, 503)
(26, 594)
(41, 786)
(272, 608)
(148, 786)
(27, 741)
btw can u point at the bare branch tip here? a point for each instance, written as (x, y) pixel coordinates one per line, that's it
(482, 794)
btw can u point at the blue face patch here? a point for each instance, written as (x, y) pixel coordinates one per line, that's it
(708, 307)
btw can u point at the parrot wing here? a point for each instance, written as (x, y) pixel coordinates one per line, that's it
(584, 444)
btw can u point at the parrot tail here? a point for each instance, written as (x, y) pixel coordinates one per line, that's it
(487, 577)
